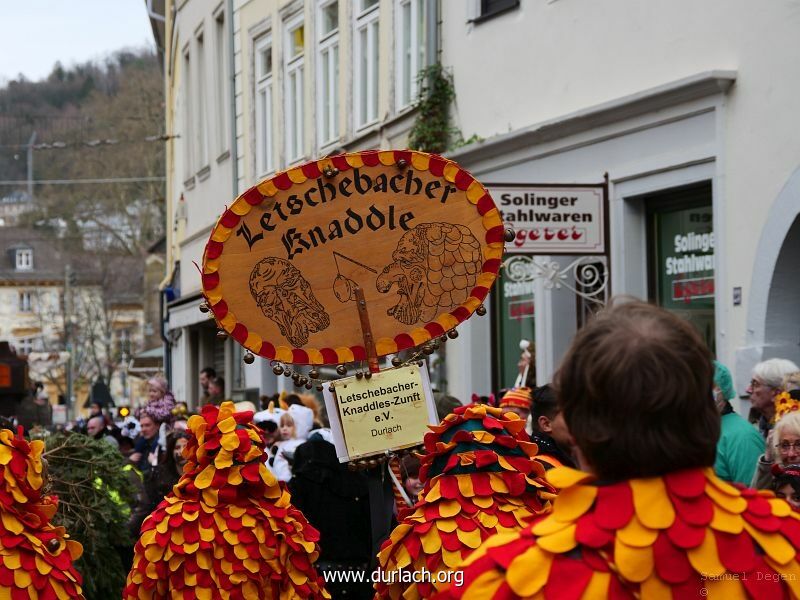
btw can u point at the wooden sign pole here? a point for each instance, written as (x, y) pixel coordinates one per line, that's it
(366, 330)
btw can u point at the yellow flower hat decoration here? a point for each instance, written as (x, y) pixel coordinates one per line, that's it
(228, 528)
(36, 558)
(687, 534)
(480, 478)
(785, 403)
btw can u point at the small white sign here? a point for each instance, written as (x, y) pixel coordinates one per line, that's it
(553, 219)
(389, 411)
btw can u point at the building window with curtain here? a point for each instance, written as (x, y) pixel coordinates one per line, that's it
(265, 154)
(328, 72)
(410, 50)
(294, 43)
(366, 56)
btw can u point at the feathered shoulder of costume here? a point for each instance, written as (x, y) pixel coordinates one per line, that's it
(687, 534)
(228, 528)
(480, 478)
(36, 558)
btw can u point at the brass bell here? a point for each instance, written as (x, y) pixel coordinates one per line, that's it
(359, 375)
(222, 334)
(481, 310)
(427, 349)
(203, 307)
(287, 373)
(248, 358)
(319, 387)
(53, 544)
(402, 163)
(452, 334)
(341, 370)
(314, 374)
(509, 234)
(309, 385)
(277, 369)
(368, 375)
(397, 361)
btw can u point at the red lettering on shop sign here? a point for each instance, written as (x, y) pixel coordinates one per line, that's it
(688, 289)
(548, 234)
(521, 309)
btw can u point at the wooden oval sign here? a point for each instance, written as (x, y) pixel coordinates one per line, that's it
(420, 236)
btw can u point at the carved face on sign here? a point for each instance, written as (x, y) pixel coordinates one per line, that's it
(434, 265)
(285, 297)
(412, 233)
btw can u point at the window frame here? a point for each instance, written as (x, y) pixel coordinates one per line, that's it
(489, 9)
(404, 98)
(188, 116)
(265, 107)
(221, 72)
(327, 78)
(200, 91)
(366, 19)
(23, 259)
(294, 99)
(25, 301)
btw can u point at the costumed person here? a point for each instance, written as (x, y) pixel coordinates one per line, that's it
(36, 558)
(647, 518)
(786, 484)
(518, 401)
(294, 426)
(228, 528)
(480, 478)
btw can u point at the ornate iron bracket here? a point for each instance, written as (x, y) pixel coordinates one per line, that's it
(586, 276)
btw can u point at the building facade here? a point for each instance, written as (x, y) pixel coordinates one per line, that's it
(689, 110)
(70, 315)
(684, 111)
(256, 87)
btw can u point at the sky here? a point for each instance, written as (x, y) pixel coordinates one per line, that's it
(34, 34)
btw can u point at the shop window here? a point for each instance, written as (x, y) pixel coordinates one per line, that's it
(513, 313)
(681, 255)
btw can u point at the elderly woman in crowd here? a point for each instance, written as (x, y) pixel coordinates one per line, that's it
(765, 385)
(783, 442)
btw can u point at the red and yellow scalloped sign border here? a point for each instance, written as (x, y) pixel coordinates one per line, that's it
(438, 166)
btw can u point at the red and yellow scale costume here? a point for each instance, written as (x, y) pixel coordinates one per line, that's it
(480, 478)
(228, 528)
(36, 558)
(687, 534)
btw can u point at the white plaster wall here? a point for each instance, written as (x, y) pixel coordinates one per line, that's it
(548, 59)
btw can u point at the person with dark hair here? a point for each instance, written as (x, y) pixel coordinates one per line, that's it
(158, 481)
(647, 517)
(549, 430)
(786, 484)
(206, 375)
(216, 391)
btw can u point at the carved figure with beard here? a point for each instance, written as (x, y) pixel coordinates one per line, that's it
(286, 298)
(435, 265)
